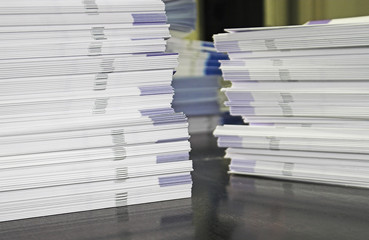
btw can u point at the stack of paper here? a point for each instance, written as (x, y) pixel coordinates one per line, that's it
(304, 92)
(182, 16)
(85, 108)
(197, 81)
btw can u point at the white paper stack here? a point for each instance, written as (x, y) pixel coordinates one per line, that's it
(304, 91)
(85, 108)
(196, 81)
(181, 15)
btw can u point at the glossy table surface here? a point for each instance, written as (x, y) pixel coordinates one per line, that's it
(222, 207)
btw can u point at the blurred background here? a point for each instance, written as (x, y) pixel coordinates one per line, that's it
(216, 15)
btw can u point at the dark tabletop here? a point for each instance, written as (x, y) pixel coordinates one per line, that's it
(222, 207)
